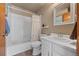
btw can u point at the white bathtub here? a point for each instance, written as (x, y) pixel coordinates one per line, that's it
(17, 48)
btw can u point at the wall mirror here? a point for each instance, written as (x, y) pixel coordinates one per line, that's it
(64, 14)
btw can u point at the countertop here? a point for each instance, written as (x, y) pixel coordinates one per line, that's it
(59, 41)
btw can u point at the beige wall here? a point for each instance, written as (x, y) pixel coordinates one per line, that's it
(47, 19)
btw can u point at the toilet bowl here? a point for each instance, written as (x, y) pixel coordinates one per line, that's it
(36, 46)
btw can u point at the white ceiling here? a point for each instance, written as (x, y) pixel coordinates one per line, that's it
(32, 6)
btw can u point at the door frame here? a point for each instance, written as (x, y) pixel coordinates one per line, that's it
(2, 28)
(77, 45)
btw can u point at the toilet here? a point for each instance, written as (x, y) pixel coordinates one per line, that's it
(36, 46)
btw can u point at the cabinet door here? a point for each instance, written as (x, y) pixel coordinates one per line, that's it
(45, 47)
(56, 50)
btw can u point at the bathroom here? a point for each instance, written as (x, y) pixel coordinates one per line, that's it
(41, 29)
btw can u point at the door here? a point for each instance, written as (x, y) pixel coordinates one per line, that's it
(2, 29)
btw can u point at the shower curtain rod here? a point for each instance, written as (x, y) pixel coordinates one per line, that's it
(19, 9)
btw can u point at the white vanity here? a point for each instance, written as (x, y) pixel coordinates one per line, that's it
(55, 46)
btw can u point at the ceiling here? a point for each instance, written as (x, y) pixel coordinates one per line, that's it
(34, 7)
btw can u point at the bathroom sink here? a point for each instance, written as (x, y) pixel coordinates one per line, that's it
(64, 40)
(73, 42)
(67, 40)
(70, 41)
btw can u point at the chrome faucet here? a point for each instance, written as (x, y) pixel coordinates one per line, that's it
(60, 35)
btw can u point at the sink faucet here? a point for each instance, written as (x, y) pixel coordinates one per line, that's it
(60, 35)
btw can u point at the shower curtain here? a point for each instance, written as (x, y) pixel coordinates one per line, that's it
(19, 36)
(20, 28)
(23, 29)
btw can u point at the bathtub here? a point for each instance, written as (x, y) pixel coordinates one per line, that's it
(17, 48)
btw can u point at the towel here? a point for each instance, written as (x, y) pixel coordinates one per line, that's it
(7, 28)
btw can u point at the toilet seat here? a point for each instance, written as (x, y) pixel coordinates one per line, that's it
(36, 44)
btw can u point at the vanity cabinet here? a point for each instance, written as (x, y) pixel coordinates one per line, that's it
(50, 48)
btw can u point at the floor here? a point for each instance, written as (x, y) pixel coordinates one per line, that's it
(26, 53)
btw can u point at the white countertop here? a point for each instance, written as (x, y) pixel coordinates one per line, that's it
(59, 41)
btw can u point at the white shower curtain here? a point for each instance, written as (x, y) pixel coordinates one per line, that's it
(19, 37)
(36, 27)
(20, 29)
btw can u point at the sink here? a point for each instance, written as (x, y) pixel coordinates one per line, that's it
(70, 41)
(62, 39)
(73, 42)
(65, 40)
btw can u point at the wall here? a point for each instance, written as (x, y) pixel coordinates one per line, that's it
(47, 19)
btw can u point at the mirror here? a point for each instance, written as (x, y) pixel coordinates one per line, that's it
(64, 14)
